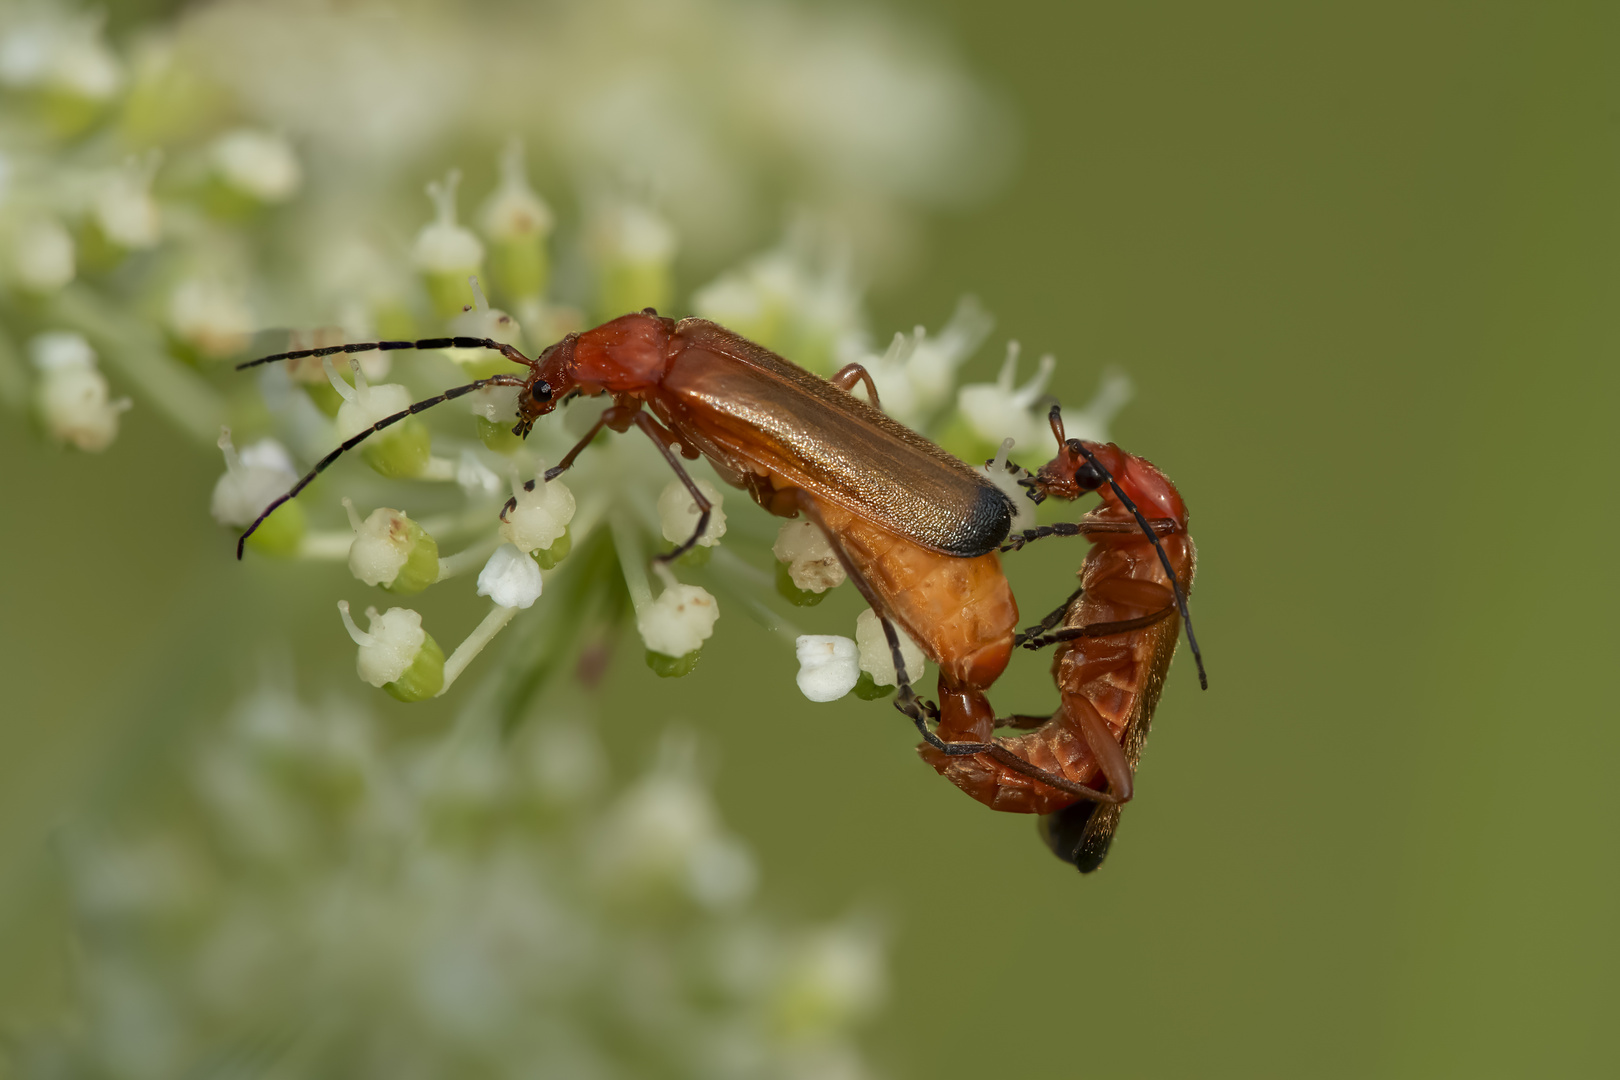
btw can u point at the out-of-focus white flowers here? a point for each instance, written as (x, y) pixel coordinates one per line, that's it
(258, 164)
(490, 905)
(914, 376)
(124, 208)
(57, 52)
(71, 396)
(210, 317)
(1002, 410)
(42, 255)
(447, 252)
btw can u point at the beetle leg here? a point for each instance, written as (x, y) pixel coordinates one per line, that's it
(1016, 541)
(1103, 629)
(662, 438)
(847, 377)
(618, 417)
(1051, 620)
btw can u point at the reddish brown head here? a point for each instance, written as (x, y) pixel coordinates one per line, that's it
(625, 356)
(1082, 467)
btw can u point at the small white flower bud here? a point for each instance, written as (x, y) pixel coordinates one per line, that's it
(364, 404)
(834, 977)
(829, 666)
(258, 163)
(445, 251)
(252, 479)
(396, 654)
(42, 256)
(72, 397)
(392, 551)
(678, 513)
(124, 208)
(514, 211)
(210, 317)
(1001, 410)
(812, 564)
(541, 515)
(401, 449)
(680, 620)
(510, 578)
(877, 659)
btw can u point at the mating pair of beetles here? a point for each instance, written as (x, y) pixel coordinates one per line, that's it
(917, 531)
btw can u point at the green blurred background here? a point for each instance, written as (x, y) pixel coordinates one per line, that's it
(1361, 261)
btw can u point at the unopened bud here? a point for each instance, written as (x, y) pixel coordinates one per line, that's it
(396, 654)
(635, 255)
(210, 318)
(510, 578)
(877, 659)
(518, 221)
(258, 164)
(401, 449)
(253, 479)
(809, 561)
(828, 666)
(540, 515)
(72, 397)
(446, 252)
(392, 551)
(123, 206)
(42, 256)
(678, 513)
(677, 624)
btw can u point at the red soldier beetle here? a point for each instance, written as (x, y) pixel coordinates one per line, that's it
(917, 529)
(1119, 632)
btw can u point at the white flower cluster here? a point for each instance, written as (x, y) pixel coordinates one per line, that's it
(486, 907)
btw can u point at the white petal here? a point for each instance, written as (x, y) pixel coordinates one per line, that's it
(828, 666)
(510, 578)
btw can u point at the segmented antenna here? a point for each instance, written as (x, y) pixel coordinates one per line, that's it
(508, 351)
(355, 440)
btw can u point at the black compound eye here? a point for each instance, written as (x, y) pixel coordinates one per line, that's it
(1088, 477)
(541, 391)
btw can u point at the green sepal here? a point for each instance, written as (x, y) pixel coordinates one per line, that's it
(421, 567)
(450, 292)
(672, 667)
(698, 556)
(324, 396)
(556, 553)
(280, 534)
(402, 450)
(498, 435)
(792, 593)
(424, 678)
(867, 690)
(522, 267)
(626, 286)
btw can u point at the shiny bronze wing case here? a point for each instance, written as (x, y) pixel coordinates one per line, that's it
(770, 415)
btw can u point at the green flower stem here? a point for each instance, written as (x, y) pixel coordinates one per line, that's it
(474, 644)
(331, 545)
(138, 353)
(627, 543)
(13, 376)
(471, 559)
(741, 583)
